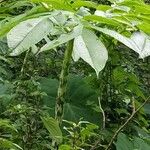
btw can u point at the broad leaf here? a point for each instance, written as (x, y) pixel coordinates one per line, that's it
(76, 98)
(27, 34)
(143, 43)
(89, 47)
(53, 127)
(140, 144)
(123, 142)
(139, 42)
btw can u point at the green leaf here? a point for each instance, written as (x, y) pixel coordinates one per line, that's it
(140, 144)
(142, 42)
(137, 6)
(57, 4)
(76, 98)
(147, 108)
(7, 24)
(6, 124)
(80, 3)
(101, 20)
(123, 143)
(8, 144)
(91, 50)
(103, 7)
(27, 34)
(139, 42)
(144, 27)
(53, 127)
(63, 38)
(65, 147)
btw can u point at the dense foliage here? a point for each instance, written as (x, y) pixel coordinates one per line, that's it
(74, 75)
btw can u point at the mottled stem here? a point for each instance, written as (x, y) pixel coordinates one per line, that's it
(60, 100)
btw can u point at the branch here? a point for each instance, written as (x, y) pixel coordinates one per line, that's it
(128, 120)
(103, 113)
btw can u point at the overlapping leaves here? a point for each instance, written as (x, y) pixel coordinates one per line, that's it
(123, 143)
(78, 93)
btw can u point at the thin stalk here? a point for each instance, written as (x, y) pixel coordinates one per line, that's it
(60, 100)
(103, 113)
(135, 111)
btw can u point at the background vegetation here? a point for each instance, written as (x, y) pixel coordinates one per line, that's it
(102, 102)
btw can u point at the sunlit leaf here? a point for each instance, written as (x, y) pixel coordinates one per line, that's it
(63, 38)
(27, 34)
(91, 50)
(139, 42)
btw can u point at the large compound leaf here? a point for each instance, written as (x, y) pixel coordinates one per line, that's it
(139, 41)
(89, 47)
(27, 34)
(63, 25)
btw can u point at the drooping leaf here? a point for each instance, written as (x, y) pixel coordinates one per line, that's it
(139, 42)
(91, 50)
(53, 127)
(143, 43)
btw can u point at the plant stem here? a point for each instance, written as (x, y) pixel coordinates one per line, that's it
(127, 121)
(63, 83)
(103, 113)
(24, 63)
